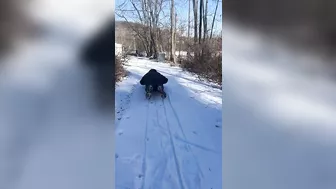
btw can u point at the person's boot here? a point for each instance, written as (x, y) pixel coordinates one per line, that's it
(161, 91)
(149, 91)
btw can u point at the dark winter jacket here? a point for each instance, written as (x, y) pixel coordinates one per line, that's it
(153, 77)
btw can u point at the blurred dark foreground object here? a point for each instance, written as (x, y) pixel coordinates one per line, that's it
(306, 23)
(99, 50)
(98, 55)
(14, 23)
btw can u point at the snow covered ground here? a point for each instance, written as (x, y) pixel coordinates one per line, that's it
(279, 116)
(170, 143)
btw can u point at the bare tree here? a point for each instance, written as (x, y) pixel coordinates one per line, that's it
(181, 39)
(189, 26)
(147, 12)
(205, 18)
(195, 4)
(189, 18)
(172, 31)
(200, 24)
(213, 20)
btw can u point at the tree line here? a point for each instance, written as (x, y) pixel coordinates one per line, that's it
(147, 24)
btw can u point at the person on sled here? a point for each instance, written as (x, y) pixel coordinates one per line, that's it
(153, 82)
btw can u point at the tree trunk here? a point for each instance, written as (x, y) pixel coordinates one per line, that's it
(154, 47)
(200, 24)
(175, 32)
(172, 31)
(195, 4)
(188, 52)
(213, 20)
(205, 16)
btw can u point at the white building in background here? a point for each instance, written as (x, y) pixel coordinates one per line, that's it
(118, 49)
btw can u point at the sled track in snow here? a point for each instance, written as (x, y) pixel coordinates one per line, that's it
(183, 133)
(156, 169)
(177, 119)
(163, 168)
(144, 166)
(178, 168)
(188, 164)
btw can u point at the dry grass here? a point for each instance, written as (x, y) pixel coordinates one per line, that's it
(119, 69)
(206, 65)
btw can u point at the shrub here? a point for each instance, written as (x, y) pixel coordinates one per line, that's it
(206, 64)
(119, 69)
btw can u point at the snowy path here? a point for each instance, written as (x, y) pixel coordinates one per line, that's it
(279, 116)
(170, 143)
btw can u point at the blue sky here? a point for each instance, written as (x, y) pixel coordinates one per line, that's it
(182, 12)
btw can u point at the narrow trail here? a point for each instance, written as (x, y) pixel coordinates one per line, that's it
(164, 142)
